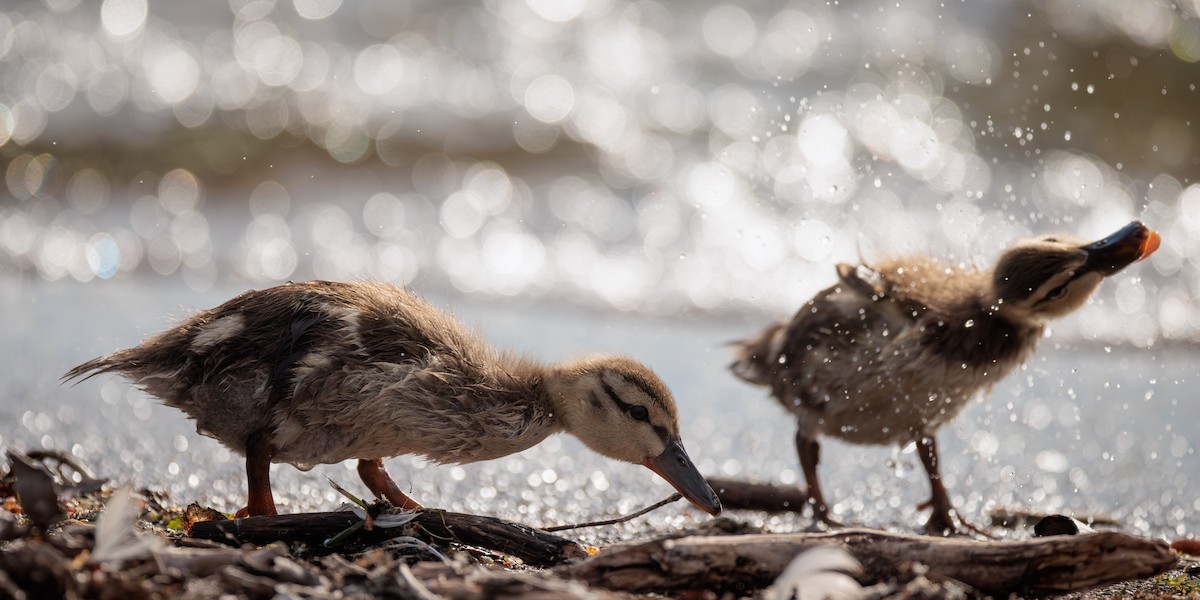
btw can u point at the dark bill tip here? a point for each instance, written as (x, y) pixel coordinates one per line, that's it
(1131, 243)
(674, 466)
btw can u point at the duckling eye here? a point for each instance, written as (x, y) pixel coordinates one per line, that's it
(1057, 292)
(640, 413)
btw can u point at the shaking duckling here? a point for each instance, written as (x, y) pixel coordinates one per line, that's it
(895, 350)
(320, 372)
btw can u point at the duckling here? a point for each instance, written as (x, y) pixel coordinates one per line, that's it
(321, 372)
(895, 350)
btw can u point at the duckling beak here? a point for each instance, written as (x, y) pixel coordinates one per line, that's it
(675, 466)
(1133, 242)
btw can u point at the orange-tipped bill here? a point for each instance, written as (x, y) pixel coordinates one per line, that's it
(1150, 244)
(675, 466)
(1131, 243)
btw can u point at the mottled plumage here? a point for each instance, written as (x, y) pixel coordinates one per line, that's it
(320, 372)
(896, 349)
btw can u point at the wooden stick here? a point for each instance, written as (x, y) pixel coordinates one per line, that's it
(1032, 566)
(656, 505)
(535, 547)
(745, 495)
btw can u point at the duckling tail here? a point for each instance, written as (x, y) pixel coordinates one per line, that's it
(756, 358)
(122, 361)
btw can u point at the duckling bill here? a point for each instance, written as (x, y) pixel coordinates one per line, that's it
(321, 372)
(895, 350)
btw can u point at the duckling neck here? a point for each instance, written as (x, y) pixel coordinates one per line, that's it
(539, 416)
(977, 336)
(564, 402)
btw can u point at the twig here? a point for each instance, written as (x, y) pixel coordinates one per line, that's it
(343, 534)
(72, 477)
(63, 459)
(366, 523)
(355, 499)
(635, 515)
(409, 583)
(403, 542)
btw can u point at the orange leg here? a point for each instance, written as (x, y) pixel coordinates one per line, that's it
(259, 452)
(942, 521)
(380, 483)
(810, 453)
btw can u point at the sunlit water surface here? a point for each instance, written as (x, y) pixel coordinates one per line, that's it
(653, 156)
(1083, 428)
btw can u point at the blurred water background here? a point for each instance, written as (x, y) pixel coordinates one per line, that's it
(649, 177)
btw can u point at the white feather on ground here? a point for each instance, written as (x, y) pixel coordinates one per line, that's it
(821, 573)
(117, 539)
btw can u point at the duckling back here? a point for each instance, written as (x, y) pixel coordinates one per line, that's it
(336, 371)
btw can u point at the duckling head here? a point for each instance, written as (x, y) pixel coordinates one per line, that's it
(621, 409)
(1042, 278)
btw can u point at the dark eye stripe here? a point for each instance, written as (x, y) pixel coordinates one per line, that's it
(662, 433)
(625, 406)
(1050, 296)
(1054, 294)
(640, 384)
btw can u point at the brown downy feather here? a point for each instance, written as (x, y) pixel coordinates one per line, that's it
(109, 363)
(754, 356)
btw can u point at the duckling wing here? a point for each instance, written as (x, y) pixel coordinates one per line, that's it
(433, 407)
(869, 283)
(822, 354)
(772, 357)
(411, 381)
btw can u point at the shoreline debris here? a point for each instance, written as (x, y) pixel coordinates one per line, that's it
(129, 551)
(534, 547)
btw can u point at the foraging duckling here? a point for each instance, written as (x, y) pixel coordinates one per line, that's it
(895, 350)
(320, 372)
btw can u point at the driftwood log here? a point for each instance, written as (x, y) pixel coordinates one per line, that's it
(770, 497)
(532, 546)
(746, 562)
